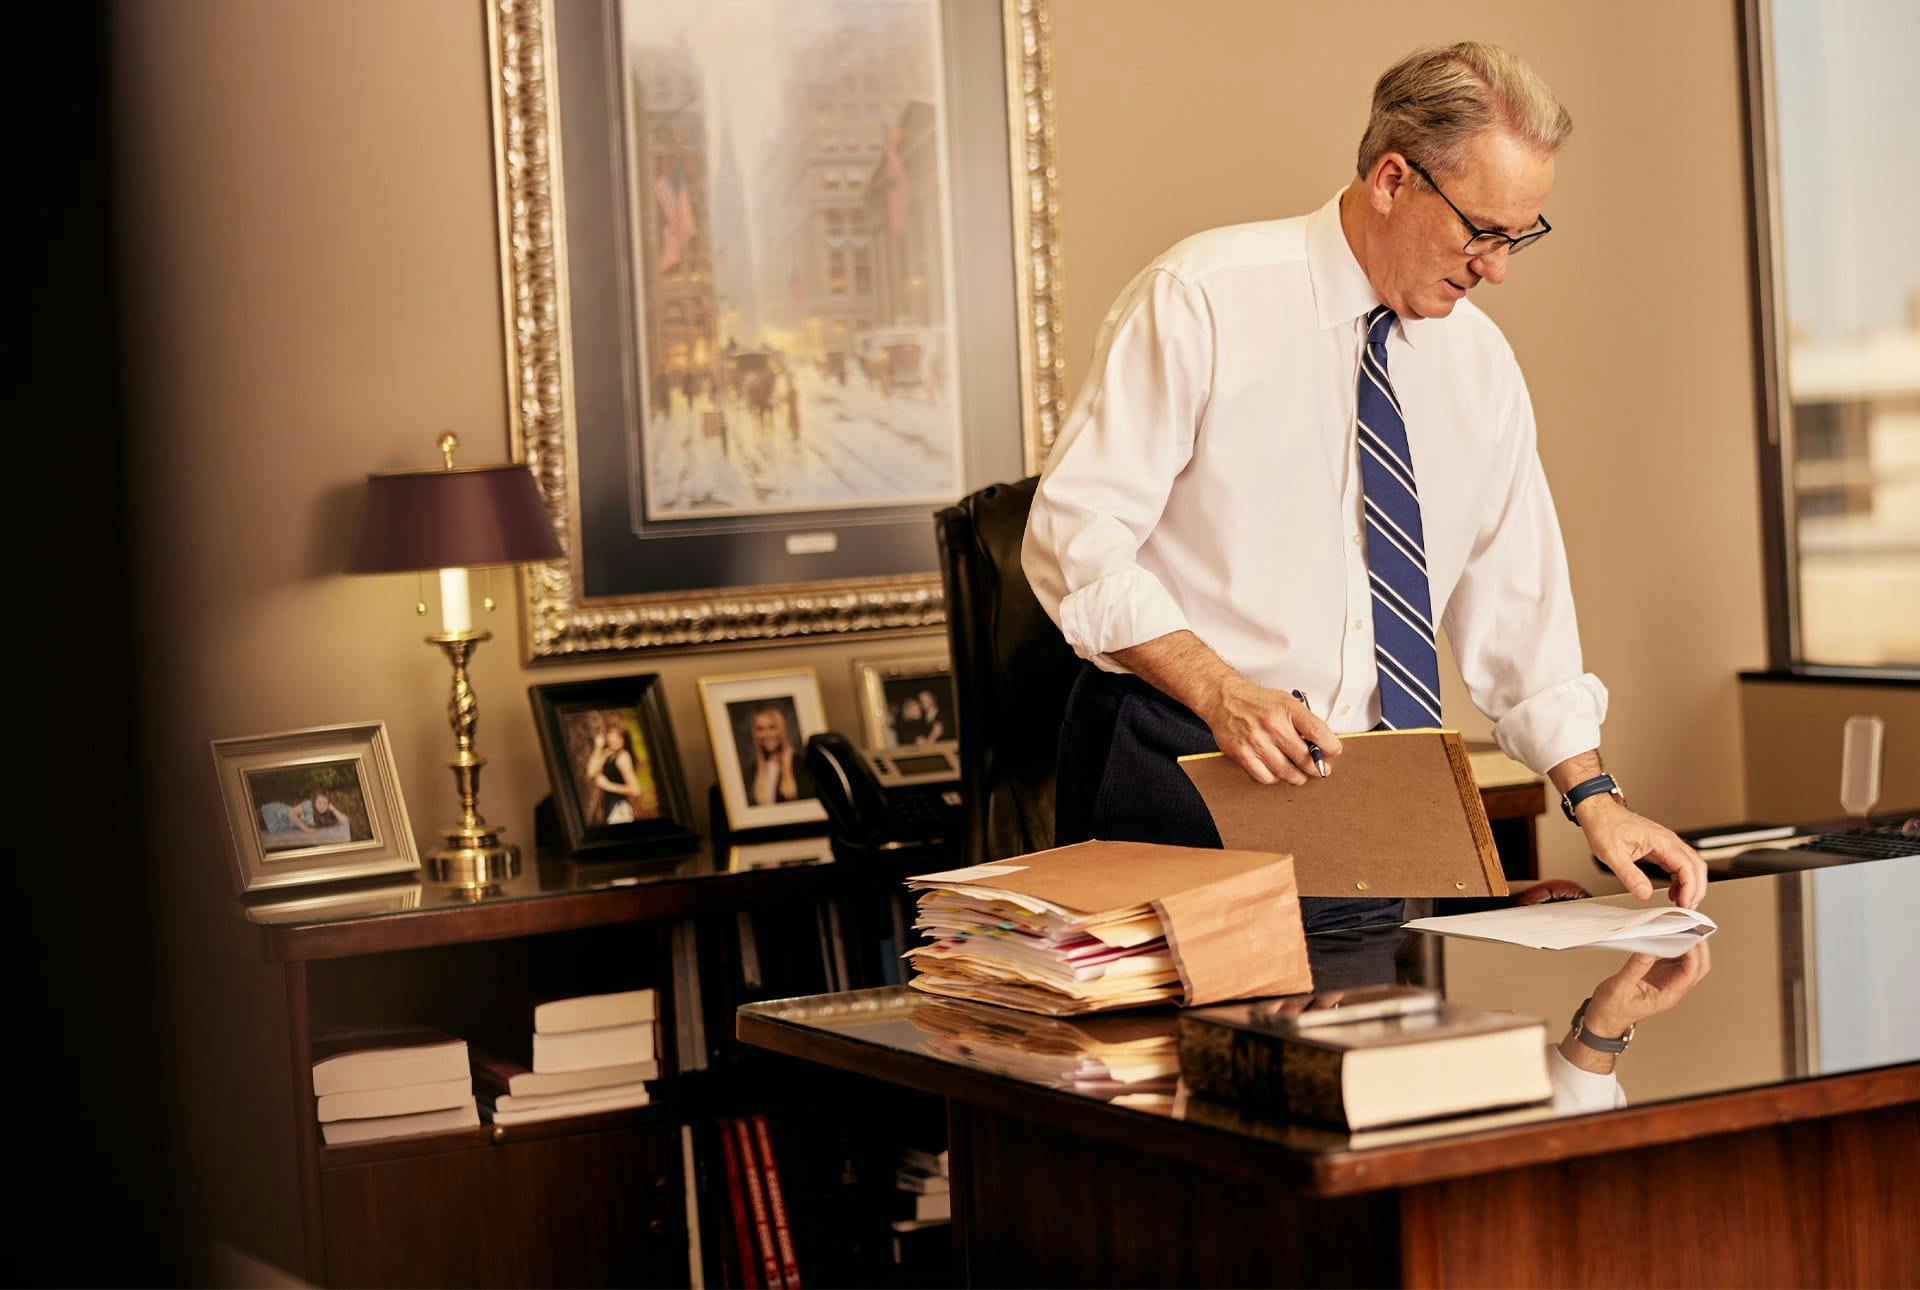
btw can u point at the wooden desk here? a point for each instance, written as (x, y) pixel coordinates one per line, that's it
(1757, 1148)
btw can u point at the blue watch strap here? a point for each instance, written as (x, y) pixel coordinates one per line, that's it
(1587, 788)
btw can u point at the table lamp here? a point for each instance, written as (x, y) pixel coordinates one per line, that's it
(454, 519)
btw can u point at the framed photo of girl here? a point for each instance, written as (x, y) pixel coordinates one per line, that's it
(614, 767)
(905, 702)
(315, 805)
(759, 724)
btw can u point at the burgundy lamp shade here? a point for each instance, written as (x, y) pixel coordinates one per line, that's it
(469, 517)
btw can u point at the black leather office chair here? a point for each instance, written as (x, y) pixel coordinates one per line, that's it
(1011, 673)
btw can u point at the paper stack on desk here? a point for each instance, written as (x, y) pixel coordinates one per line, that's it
(1108, 925)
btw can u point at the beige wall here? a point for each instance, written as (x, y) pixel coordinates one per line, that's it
(312, 294)
(1630, 321)
(1793, 736)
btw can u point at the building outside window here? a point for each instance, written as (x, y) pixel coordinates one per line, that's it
(1839, 196)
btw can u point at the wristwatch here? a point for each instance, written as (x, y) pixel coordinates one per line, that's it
(1599, 1043)
(1587, 788)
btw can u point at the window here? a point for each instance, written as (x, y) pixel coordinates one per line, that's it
(1837, 197)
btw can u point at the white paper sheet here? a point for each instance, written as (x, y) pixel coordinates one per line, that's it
(1573, 924)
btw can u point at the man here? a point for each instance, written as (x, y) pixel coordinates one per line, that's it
(1298, 453)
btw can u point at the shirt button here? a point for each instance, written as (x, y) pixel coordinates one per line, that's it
(1359, 625)
(1356, 539)
(1340, 711)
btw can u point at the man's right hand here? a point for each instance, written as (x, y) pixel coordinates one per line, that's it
(1266, 731)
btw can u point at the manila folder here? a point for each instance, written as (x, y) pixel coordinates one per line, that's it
(1399, 816)
(1231, 918)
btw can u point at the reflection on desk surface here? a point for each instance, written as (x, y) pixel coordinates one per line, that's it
(1812, 975)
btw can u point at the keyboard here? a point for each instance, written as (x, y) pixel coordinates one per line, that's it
(1884, 843)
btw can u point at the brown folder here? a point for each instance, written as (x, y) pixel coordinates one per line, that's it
(1400, 816)
(1231, 918)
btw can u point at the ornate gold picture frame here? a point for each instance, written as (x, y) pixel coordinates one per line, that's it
(564, 614)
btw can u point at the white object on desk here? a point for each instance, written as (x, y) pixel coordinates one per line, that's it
(1860, 765)
(1579, 924)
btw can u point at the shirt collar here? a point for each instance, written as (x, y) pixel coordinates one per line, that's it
(1341, 292)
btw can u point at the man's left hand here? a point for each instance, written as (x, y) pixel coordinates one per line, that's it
(1618, 837)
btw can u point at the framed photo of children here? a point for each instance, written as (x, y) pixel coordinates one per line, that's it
(759, 723)
(614, 767)
(315, 805)
(905, 702)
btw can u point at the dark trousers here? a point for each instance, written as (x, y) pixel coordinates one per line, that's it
(1120, 781)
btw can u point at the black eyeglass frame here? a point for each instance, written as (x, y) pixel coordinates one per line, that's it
(1514, 245)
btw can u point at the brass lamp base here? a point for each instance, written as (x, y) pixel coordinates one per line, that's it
(473, 862)
(474, 856)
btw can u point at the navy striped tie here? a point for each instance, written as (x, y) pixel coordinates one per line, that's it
(1396, 546)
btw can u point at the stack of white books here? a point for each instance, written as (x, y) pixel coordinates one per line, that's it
(925, 1190)
(390, 1081)
(581, 1055)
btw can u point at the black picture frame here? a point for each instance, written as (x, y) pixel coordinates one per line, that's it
(657, 820)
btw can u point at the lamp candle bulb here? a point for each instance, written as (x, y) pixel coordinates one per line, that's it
(456, 602)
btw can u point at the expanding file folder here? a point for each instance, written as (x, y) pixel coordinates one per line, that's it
(1399, 816)
(1102, 925)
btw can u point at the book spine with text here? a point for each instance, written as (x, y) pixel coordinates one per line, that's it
(1236, 1065)
(777, 1203)
(756, 1198)
(736, 1200)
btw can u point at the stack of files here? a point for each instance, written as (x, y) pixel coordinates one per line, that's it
(924, 1190)
(1105, 1057)
(1105, 925)
(1667, 931)
(581, 1056)
(1364, 1074)
(390, 1081)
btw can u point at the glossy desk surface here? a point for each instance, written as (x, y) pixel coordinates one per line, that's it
(1808, 1010)
(549, 893)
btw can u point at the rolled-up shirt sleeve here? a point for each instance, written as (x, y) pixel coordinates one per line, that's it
(1128, 435)
(1576, 1091)
(1511, 618)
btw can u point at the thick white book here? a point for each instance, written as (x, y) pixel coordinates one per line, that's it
(501, 1076)
(354, 1059)
(1668, 931)
(584, 1049)
(593, 1012)
(464, 1116)
(573, 1107)
(540, 1101)
(372, 1103)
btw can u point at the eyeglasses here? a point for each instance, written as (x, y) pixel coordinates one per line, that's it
(1484, 241)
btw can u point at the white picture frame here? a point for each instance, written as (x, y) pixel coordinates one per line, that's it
(742, 709)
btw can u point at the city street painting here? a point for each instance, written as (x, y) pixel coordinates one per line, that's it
(787, 188)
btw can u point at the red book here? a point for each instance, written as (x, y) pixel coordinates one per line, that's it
(762, 1225)
(777, 1202)
(741, 1234)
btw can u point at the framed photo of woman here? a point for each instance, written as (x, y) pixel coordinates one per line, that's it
(315, 805)
(614, 767)
(759, 723)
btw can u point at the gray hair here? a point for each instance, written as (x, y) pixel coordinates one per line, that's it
(1431, 104)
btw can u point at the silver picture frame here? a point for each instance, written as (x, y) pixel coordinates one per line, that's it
(361, 830)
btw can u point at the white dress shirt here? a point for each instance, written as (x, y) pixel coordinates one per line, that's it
(1207, 479)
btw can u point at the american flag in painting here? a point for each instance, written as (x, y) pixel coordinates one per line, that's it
(676, 216)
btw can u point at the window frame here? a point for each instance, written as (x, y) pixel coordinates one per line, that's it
(1775, 432)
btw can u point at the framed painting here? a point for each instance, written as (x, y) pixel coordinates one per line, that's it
(781, 278)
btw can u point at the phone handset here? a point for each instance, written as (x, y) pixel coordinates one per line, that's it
(855, 802)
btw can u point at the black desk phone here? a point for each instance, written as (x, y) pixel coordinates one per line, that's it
(874, 797)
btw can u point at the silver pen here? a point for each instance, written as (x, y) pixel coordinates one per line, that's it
(1313, 749)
